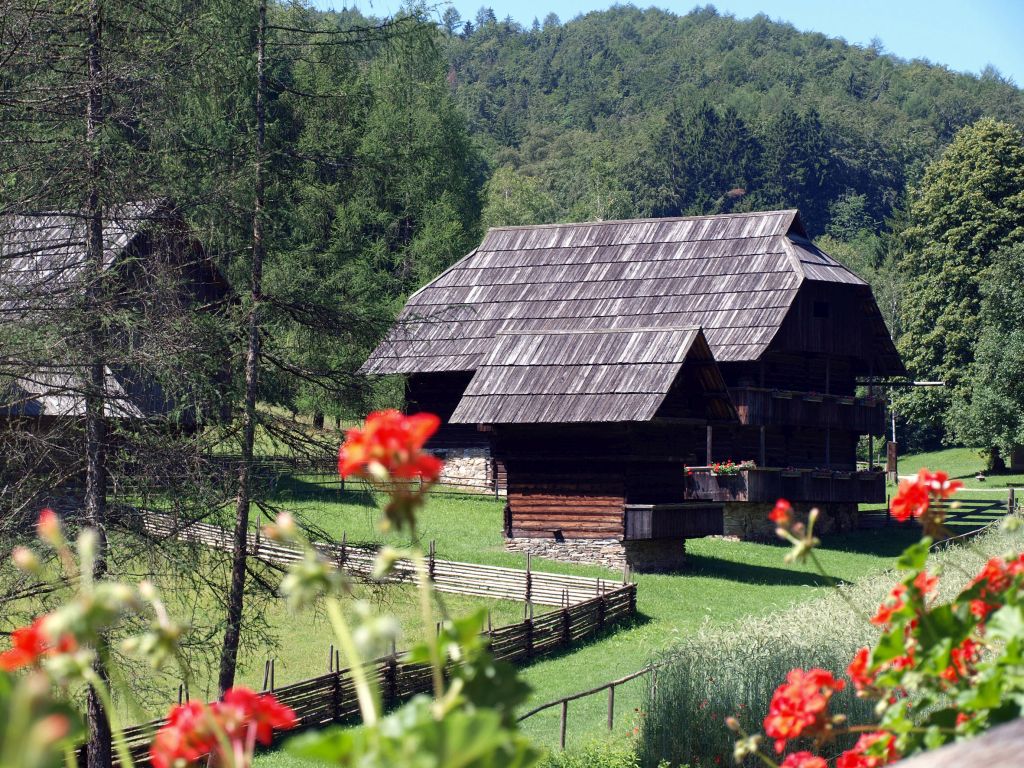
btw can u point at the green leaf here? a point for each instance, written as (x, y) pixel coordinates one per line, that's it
(915, 556)
(1007, 623)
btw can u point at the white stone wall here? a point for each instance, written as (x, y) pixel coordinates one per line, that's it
(468, 469)
(654, 555)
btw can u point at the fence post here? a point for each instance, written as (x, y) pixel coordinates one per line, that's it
(561, 730)
(566, 627)
(600, 612)
(330, 658)
(430, 564)
(1011, 503)
(391, 679)
(336, 696)
(611, 705)
(529, 579)
(344, 548)
(266, 673)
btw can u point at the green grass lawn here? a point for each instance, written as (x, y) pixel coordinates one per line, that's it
(960, 463)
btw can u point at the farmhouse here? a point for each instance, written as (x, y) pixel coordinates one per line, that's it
(609, 367)
(43, 274)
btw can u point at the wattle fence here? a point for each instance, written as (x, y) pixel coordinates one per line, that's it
(587, 607)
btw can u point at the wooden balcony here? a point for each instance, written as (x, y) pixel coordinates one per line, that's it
(770, 484)
(773, 407)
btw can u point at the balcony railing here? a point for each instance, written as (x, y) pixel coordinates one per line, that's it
(775, 407)
(770, 484)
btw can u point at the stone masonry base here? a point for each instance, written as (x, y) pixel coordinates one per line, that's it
(644, 556)
(750, 521)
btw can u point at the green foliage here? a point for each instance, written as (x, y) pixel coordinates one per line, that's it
(989, 413)
(511, 199)
(968, 206)
(618, 753)
(802, 119)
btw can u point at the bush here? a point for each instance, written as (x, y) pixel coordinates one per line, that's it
(716, 673)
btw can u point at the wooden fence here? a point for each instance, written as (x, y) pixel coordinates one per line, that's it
(331, 698)
(527, 585)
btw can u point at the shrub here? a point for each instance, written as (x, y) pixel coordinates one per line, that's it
(620, 753)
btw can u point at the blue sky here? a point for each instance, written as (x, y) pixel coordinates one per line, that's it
(964, 35)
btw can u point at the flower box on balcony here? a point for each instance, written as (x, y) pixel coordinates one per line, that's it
(813, 398)
(843, 475)
(846, 400)
(822, 474)
(781, 394)
(791, 473)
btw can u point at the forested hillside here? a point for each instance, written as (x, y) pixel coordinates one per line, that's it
(627, 112)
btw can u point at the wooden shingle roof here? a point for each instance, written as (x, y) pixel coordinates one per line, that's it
(578, 376)
(735, 276)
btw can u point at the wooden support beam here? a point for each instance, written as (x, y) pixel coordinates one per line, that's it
(709, 447)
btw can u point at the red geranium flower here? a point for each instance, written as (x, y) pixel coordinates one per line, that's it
(803, 760)
(799, 707)
(925, 582)
(961, 660)
(995, 577)
(865, 755)
(782, 513)
(892, 604)
(30, 644)
(194, 730)
(391, 441)
(911, 500)
(859, 670)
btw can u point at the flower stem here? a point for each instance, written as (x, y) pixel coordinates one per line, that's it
(364, 693)
(835, 585)
(427, 615)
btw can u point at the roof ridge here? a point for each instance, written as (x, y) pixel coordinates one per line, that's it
(577, 331)
(651, 220)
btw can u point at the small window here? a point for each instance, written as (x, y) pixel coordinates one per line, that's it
(821, 309)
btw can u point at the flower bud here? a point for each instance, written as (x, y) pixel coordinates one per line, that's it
(50, 729)
(25, 559)
(732, 724)
(48, 528)
(147, 590)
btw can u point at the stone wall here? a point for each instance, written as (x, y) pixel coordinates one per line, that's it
(750, 521)
(467, 469)
(644, 556)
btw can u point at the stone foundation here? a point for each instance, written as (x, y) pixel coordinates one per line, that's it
(468, 469)
(645, 556)
(747, 520)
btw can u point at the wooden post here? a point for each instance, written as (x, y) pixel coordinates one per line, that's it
(344, 547)
(611, 706)
(600, 612)
(527, 598)
(764, 453)
(1011, 503)
(273, 664)
(566, 627)
(336, 696)
(709, 446)
(181, 693)
(430, 564)
(489, 621)
(871, 451)
(330, 658)
(561, 730)
(266, 673)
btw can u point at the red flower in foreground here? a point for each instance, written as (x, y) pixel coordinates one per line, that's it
(803, 760)
(859, 670)
(865, 754)
(782, 513)
(892, 604)
(30, 644)
(391, 441)
(925, 582)
(194, 730)
(961, 660)
(995, 578)
(799, 707)
(48, 526)
(914, 497)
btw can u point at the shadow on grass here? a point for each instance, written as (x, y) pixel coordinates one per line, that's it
(291, 488)
(728, 570)
(884, 542)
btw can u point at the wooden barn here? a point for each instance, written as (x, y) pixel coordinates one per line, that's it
(608, 367)
(42, 269)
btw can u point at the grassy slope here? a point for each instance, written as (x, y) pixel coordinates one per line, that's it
(961, 463)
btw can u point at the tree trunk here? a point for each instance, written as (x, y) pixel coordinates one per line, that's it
(318, 420)
(232, 631)
(99, 750)
(995, 461)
